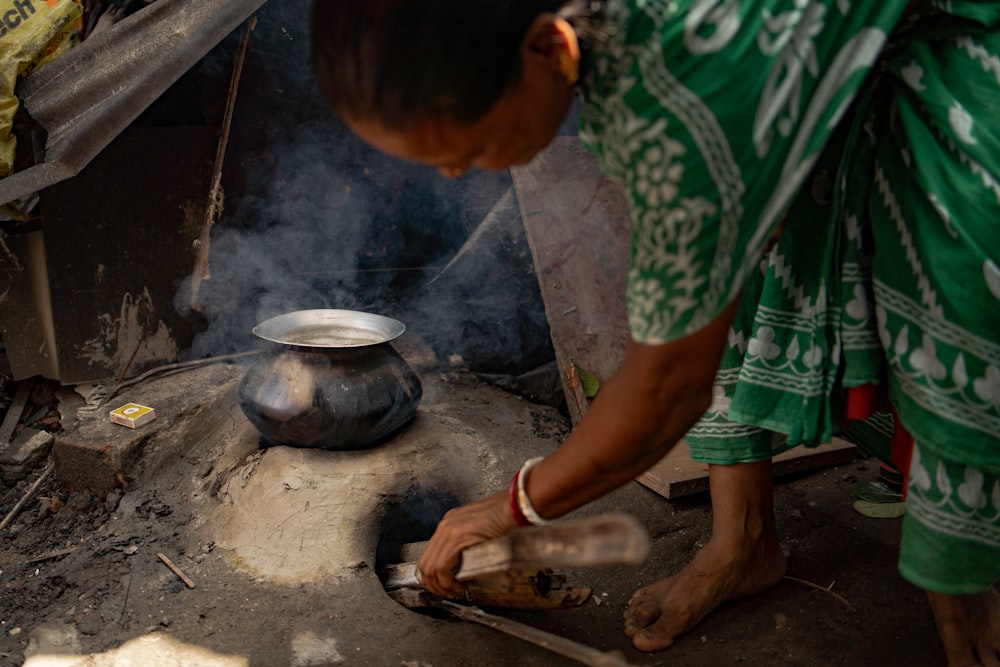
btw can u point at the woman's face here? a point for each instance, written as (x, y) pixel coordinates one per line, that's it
(521, 124)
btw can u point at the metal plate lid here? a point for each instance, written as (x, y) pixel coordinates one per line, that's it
(329, 328)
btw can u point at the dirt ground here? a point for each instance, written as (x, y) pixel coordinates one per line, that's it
(80, 574)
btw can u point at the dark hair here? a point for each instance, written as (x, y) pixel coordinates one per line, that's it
(402, 61)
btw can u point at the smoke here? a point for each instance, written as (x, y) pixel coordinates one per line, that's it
(313, 218)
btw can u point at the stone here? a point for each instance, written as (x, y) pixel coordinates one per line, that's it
(53, 638)
(28, 451)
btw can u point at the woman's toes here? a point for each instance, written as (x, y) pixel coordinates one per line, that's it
(652, 638)
(639, 616)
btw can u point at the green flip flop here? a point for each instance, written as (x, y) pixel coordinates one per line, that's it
(880, 510)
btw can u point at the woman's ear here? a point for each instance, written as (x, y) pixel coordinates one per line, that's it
(551, 41)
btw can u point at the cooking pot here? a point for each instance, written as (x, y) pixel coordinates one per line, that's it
(329, 379)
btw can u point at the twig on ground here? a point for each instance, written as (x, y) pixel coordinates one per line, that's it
(53, 554)
(176, 570)
(27, 496)
(828, 589)
(128, 591)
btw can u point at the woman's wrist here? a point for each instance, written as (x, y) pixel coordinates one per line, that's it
(517, 494)
(513, 501)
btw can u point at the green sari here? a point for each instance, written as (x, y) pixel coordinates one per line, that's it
(835, 166)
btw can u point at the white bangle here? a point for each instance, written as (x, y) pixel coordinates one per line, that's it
(523, 502)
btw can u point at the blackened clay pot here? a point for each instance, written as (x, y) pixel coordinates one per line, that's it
(329, 379)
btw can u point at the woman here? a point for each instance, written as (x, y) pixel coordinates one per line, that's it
(812, 187)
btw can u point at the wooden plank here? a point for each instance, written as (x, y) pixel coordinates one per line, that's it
(577, 226)
(678, 475)
(15, 411)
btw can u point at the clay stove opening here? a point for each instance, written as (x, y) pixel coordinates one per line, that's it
(409, 521)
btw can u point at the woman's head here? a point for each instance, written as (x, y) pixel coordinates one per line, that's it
(458, 68)
(398, 60)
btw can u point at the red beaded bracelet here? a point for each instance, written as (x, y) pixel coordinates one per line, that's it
(515, 507)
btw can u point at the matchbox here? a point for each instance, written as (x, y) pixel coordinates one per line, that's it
(133, 415)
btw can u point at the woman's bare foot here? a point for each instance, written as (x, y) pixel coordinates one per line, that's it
(660, 612)
(743, 557)
(969, 627)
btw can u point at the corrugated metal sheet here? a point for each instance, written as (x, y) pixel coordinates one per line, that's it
(94, 91)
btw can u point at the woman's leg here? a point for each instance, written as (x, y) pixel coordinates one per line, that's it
(969, 627)
(950, 549)
(742, 557)
(933, 207)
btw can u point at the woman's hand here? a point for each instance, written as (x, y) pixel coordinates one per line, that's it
(459, 529)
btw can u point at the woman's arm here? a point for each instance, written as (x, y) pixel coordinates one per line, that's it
(656, 396)
(659, 392)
